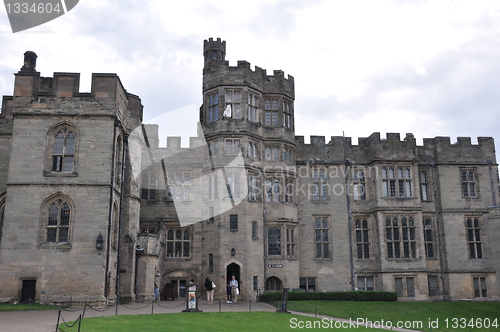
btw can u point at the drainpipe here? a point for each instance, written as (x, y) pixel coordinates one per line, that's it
(120, 215)
(493, 194)
(264, 242)
(117, 124)
(437, 205)
(349, 215)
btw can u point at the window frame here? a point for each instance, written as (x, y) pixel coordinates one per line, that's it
(253, 106)
(213, 106)
(425, 185)
(433, 291)
(397, 181)
(406, 290)
(182, 242)
(469, 185)
(233, 185)
(395, 244)
(149, 188)
(287, 114)
(477, 286)
(252, 149)
(67, 128)
(474, 237)
(273, 189)
(271, 111)
(58, 200)
(179, 189)
(274, 241)
(362, 237)
(233, 222)
(213, 148)
(319, 179)
(289, 187)
(365, 282)
(233, 150)
(288, 154)
(320, 242)
(233, 104)
(307, 284)
(212, 187)
(253, 187)
(359, 185)
(428, 226)
(255, 281)
(210, 263)
(290, 238)
(255, 230)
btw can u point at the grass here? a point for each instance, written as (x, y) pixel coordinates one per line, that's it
(409, 312)
(26, 306)
(440, 313)
(202, 322)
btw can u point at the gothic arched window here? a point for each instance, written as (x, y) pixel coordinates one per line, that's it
(62, 149)
(58, 222)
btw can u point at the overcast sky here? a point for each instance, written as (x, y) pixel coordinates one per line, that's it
(431, 68)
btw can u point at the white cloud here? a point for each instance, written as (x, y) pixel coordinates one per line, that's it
(426, 67)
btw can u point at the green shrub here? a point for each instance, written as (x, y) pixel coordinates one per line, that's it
(332, 296)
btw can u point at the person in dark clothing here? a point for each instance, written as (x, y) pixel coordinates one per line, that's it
(209, 285)
(228, 291)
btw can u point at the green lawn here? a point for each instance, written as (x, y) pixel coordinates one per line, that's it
(205, 321)
(26, 306)
(448, 314)
(444, 316)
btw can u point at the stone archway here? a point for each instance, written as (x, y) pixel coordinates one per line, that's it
(273, 284)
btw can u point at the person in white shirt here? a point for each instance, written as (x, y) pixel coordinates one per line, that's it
(234, 289)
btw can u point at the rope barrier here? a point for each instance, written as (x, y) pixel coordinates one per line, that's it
(77, 321)
(71, 310)
(101, 310)
(147, 305)
(178, 306)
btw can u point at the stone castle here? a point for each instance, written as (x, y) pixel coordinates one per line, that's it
(92, 209)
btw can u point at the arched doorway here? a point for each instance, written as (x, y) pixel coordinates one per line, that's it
(179, 280)
(273, 284)
(233, 269)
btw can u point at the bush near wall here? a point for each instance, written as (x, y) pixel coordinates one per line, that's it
(332, 296)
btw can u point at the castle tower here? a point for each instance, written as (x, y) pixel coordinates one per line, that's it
(250, 113)
(68, 200)
(214, 52)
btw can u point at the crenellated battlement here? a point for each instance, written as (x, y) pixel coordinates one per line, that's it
(243, 75)
(66, 85)
(174, 143)
(393, 148)
(218, 72)
(34, 94)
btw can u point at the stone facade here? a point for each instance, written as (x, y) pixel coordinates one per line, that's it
(385, 214)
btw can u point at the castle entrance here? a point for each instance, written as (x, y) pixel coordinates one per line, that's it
(233, 269)
(179, 279)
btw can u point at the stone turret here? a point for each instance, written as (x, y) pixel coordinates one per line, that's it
(29, 62)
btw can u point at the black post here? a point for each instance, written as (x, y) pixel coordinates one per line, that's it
(117, 302)
(79, 322)
(284, 301)
(58, 318)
